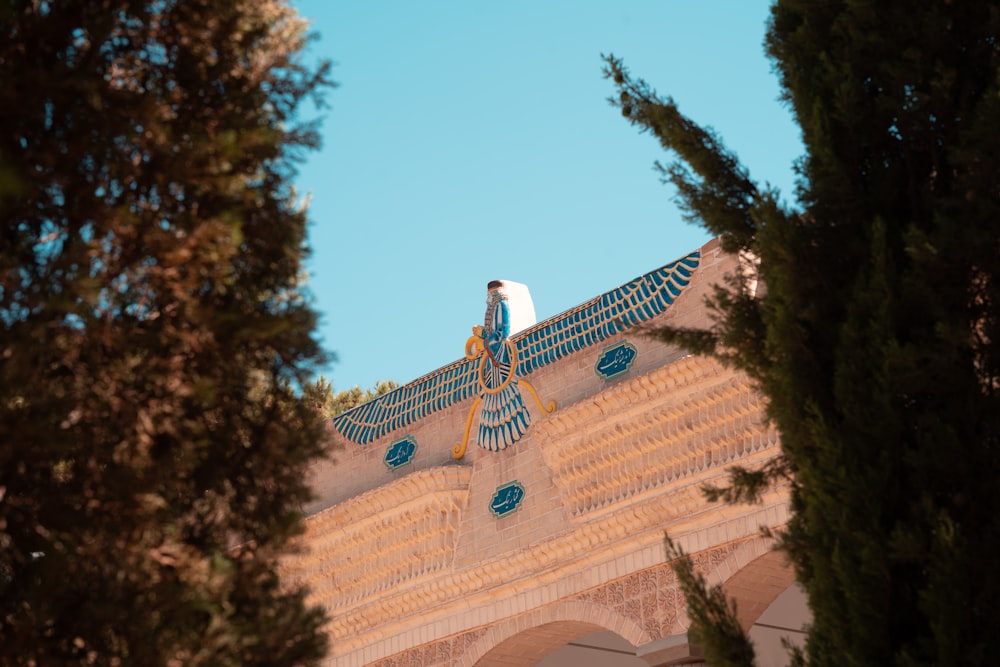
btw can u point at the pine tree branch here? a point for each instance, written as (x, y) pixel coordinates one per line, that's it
(714, 623)
(714, 188)
(746, 486)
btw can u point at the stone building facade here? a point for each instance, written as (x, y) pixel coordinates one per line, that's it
(430, 550)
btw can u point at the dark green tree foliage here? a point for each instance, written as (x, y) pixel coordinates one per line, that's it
(711, 613)
(152, 450)
(877, 342)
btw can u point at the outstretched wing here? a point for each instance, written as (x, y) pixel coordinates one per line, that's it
(405, 405)
(574, 330)
(603, 316)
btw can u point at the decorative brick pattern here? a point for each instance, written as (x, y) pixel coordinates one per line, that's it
(419, 560)
(650, 597)
(441, 653)
(703, 418)
(419, 518)
(372, 544)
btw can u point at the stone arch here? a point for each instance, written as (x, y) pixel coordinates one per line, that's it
(529, 637)
(754, 576)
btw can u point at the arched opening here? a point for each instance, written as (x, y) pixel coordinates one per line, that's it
(770, 605)
(563, 644)
(597, 649)
(529, 638)
(582, 634)
(757, 584)
(784, 619)
(530, 646)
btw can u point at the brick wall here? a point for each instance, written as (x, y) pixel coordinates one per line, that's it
(414, 567)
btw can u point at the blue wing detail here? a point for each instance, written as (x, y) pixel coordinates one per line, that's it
(404, 405)
(604, 316)
(576, 329)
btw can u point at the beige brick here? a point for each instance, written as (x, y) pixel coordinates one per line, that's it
(413, 558)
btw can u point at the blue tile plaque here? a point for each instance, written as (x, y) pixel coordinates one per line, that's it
(615, 360)
(400, 452)
(506, 499)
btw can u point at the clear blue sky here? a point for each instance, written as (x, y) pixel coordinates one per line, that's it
(469, 141)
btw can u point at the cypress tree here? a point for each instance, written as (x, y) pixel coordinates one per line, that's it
(152, 333)
(876, 336)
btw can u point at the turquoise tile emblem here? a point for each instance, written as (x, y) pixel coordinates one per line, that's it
(615, 360)
(506, 499)
(400, 452)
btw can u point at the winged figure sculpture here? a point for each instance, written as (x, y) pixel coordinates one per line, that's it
(497, 362)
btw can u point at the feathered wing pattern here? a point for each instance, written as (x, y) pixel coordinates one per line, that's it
(504, 418)
(504, 414)
(604, 316)
(399, 408)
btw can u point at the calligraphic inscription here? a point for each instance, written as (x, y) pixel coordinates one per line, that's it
(400, 452)
(506, 499)
(615, 360)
